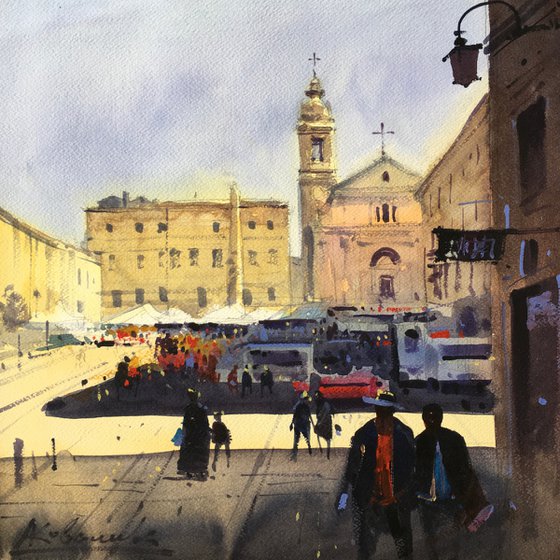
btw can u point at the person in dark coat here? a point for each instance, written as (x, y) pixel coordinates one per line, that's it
(324, 424)
(447, 486)
(246, 382)
(194, 454)
(266, 380)
(301, 424)
(380, 471)
(221, 436)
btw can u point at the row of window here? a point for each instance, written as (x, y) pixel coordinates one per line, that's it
(202, 297)
(382, 213)
(87, 278)
(162, 227)
(194, 254)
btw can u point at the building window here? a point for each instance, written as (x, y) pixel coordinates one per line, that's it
(271, 294)
(139, 227)
(175, 258)
(246, 296)
(217, 258)
(253, 258)
(394, 213)
(344, 243)
(252, 224)
(450, 186)
(216, 227)
(385, 211)
(163, 295)
(109, 228)
(161, 259)
(111, 262)
(386, 287)
(317, 149)
(439, 197)
(529, 256)
(377, 214)
(273, 256)
(385, 176)
(79, 276)
(477, 153)
(193, 257)
(411, 339)
(80, 306)
(431, 213)
(202, 298)
(270, 224)
(161, 227)
(531, 125)
(140, 261)
(117, 298)
(139, 296)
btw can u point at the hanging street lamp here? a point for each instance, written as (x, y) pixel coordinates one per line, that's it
(463, 57)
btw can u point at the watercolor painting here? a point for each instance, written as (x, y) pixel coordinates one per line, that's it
(279, 279)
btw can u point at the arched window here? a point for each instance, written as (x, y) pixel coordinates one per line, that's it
(385, 176)
(384, 252)
(385, 212)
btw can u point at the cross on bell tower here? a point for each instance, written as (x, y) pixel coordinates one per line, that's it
(314, 59)
(382, 132)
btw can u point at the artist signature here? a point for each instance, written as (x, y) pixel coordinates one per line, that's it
(44, 537)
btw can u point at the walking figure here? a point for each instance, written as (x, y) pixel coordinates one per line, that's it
(380, 469)
(246, 382)
(324, 424)
(221, 436)
(195, 448)
(266, 380)
(447, 486)
(301, 423)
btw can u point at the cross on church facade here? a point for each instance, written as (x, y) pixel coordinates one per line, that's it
(382, 132)
(314, 59)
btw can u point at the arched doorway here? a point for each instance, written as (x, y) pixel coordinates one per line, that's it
(384, 262)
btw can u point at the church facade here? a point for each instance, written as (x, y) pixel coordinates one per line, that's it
(361, 237)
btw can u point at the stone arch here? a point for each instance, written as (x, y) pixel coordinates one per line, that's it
(384, 252)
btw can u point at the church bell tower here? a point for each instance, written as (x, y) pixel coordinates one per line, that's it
(317, 176)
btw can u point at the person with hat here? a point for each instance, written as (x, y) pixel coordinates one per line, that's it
(301, 423)
(266, 380)
(194, 454)
(447, 486)
(380, 471)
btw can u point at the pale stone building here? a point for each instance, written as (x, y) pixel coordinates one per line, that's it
(361, 236)
(456, 195)
(191, 255)
(51, 276)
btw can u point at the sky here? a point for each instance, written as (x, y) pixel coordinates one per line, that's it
(168, 98)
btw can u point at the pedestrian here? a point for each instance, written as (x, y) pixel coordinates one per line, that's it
(246, 382)
(324, 424)
(221, 436)
(232, 381)
(447, 486)
(194, 454)
(301, 423)
(380, 470)
(189, 364)
(266, 380)
(121, 376)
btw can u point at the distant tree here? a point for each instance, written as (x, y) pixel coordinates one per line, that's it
(14, 310)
